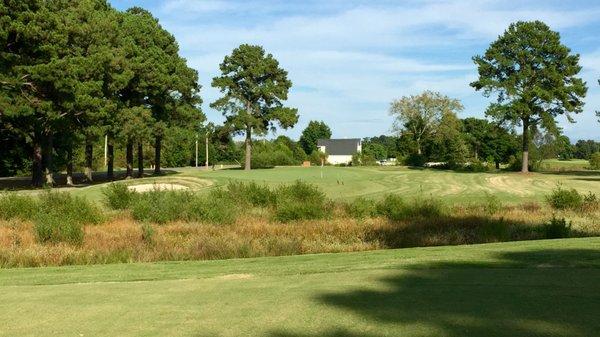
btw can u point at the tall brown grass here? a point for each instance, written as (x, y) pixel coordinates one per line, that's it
(121, 239)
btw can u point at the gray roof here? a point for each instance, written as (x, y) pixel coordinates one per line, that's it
(340, 146)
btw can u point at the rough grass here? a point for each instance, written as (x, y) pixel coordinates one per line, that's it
(493, 290)
(255, 233)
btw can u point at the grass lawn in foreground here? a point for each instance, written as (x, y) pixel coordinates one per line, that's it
(534, 288)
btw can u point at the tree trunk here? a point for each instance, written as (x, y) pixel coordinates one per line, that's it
(89, 161)
(110, 154)
(157, 148)
(248, 142)
(70, 166)
(525, 166)
(47, 159)
(36, 167)
(419, 152)
(140, 152)
(497, 165)
(129, 160)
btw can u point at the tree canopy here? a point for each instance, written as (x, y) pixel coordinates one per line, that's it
(254, 88)
(534, 77)
(420, 115)
(74, 71)
(314, 131)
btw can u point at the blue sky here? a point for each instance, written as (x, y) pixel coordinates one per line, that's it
(349, 59)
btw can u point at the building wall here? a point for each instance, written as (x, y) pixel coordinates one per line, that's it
(339, 159)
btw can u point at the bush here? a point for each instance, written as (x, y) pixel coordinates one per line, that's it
(118, 196)
(361, 208)
(557, 228)
(251, 193)
(217, 207)
(415, 159)
(476, 166)
(301, 201)
(595, 161)
(77, 208)
(56, 227)
(492, 204)
(562, 199)
(392, 206)
(147, 233)
(60, 217)
(160, 206)
(396, 209)
(14, 206)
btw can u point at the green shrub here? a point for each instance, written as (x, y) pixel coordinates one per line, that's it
(251, 193)
(216, 207)
(77, 208)
(395, 208)
(301, 201)
(561, 198)
(361, 208)
(557, 228)
(56, 227)
(148, 233)
(426, 208)
(160, 206)
(392, 206)
(14, 206)
(118, 196)
(491, 204)
(595, 161)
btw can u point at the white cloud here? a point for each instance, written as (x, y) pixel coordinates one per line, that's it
(348, 60)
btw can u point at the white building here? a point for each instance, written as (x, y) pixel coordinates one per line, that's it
(340, 151)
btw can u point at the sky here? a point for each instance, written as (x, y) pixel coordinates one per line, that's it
(349, 59)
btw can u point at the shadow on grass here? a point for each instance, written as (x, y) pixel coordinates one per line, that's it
(581, 173)
(459, 229)
(24, 183)
(536, 293)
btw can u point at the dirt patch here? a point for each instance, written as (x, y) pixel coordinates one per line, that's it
(236, 277)
(156, 186)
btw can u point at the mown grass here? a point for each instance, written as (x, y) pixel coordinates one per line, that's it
(534, 288)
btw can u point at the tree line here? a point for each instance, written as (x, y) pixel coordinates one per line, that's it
(74, 72)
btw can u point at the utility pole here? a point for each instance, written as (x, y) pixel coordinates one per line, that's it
(196, 150)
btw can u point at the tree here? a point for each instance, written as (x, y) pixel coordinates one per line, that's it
(585, 148)
(595, 161)
(314, 131)
(489, 140)
(420, 115)
(533, 75)
(375, 150)
(448, 144)
(254, 87)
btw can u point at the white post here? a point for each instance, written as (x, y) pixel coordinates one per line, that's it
(196, 150)
(105, 150)
(206, 151)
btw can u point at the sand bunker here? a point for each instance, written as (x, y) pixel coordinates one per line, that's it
(156, 186)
